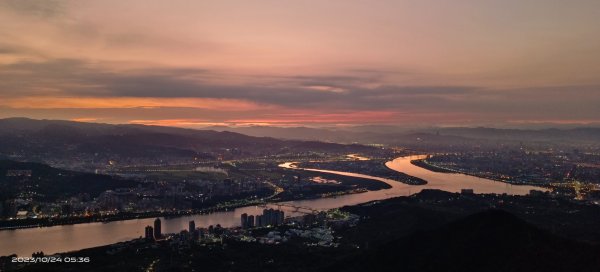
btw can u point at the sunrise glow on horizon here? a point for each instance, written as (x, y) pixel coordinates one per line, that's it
(301, 63)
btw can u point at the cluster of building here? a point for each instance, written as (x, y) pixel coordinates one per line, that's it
(312, 229)
(570, 173)
(269, 217)
(146, 197)
(522, 165)
(169, 195)
(154, 233)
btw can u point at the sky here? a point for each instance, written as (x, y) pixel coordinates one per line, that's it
(302, 62)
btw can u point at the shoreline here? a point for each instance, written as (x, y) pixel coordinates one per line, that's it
(132, 216)
(125, 217)
(391, 174)
(318, 203)
(434, 168)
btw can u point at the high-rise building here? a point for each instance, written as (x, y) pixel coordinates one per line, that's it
(157, 229)
(194, 233)
(244, 219)
(192, 227)
(149, 233)
(280, 217)
(266, 217)
(250, 221)
(271, 217)
(259, 221)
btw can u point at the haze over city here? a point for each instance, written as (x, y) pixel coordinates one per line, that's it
(302, 63)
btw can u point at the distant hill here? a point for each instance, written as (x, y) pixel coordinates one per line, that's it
(57, 140)
(46, 183)
(361, 134)
(291, 133)
(423, 136)
(583, 135)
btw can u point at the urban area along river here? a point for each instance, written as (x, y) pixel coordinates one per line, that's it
(74, 237)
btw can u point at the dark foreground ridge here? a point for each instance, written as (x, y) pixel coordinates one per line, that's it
(492, 240)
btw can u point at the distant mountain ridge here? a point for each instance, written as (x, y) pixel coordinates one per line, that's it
(51, 183)
(49, 140)
(65, 143)
(391, 135)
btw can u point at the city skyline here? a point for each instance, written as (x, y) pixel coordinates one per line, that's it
(308, 63)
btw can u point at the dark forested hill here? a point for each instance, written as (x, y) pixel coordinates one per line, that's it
(44, 183)
(492, 240)
(51, 140)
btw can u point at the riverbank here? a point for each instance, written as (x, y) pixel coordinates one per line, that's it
(70, 238)
(374, 168)
(438, 169)
(50, 222)
(423, 164)
(390, 233)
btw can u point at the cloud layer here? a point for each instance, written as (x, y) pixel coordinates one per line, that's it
(192, 64)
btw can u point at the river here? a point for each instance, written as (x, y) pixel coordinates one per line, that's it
(74, 237)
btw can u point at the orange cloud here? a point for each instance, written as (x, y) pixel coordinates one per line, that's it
(43, 102)
(282, 119)
(287, 117)
(177, 123)
(84, 119)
